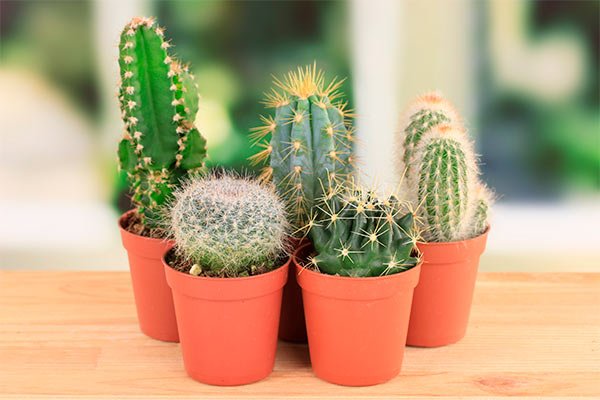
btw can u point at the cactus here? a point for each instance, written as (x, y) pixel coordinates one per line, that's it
(158, 102)
(484, 199)
(424, 113)
(443, 179)
(310, 140)
(360, 234)
(228, 225)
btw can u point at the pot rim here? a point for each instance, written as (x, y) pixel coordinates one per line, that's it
(357, 288)
(121, 220)
(457, 242)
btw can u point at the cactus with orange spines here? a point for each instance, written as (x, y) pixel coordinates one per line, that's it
(307, 145)
(159, 102)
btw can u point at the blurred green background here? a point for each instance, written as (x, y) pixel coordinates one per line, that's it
(531, 93)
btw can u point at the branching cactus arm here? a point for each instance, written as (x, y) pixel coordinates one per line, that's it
(159, 101)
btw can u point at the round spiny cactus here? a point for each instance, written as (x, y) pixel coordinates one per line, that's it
(228, 224)
(361, 234)
(308, 144)
(443, 179)
(427, 111)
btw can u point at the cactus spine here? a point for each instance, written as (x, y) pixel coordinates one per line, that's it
(360, 234)
(442, 173)
(228, 225)
(310, 141)
(159, 101)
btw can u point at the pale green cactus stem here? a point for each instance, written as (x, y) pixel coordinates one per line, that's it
(425, 112)
(228, 225)
(443, 179)
(159, 102)
(308, 142)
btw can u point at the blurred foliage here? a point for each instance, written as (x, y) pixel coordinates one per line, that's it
(536, 148)
(54, 39)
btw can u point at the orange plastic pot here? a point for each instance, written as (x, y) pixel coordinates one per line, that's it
(228, 326)
(443, 297)
(153, 300)
(357, 326)
(292, 327)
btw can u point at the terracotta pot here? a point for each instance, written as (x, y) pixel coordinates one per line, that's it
(153, 300)
(292, 327)
(228, 326)
(357, 326)
(442, 300)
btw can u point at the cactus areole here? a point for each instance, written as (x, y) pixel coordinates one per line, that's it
(159, 102)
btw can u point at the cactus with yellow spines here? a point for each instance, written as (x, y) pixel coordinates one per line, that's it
(358, 233)
(308, 141)
(159, 102)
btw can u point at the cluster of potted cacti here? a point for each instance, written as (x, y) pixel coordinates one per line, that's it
(226, 263)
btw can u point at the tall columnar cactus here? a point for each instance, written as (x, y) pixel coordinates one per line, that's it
(424, 113)
(443, 178)
(228, 225)
(360, 234)
(310, 140)
(159, 102)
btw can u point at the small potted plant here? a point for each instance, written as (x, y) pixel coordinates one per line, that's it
(160, 146)
(358, 287)
(227, 272)
(452, 206)
(306, 145)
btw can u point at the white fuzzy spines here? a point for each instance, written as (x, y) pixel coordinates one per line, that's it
(443, 181)
(228, 224)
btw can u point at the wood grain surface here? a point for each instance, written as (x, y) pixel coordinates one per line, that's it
(74, 335)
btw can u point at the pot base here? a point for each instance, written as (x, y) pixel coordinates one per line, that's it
(443, 297)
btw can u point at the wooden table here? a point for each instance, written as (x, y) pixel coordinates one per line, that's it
(74, 335)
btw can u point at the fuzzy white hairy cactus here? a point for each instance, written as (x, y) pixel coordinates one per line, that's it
(484, 199)
(444, 179)
(425, 112)
(442, 176)
(228, 224)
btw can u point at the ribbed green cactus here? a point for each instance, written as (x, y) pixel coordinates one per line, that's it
(159, 101)
(360, 234)
(424, 113)
(484, 199)
(310, 140)
(442, 175)
(228, 225)
(443, 178)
